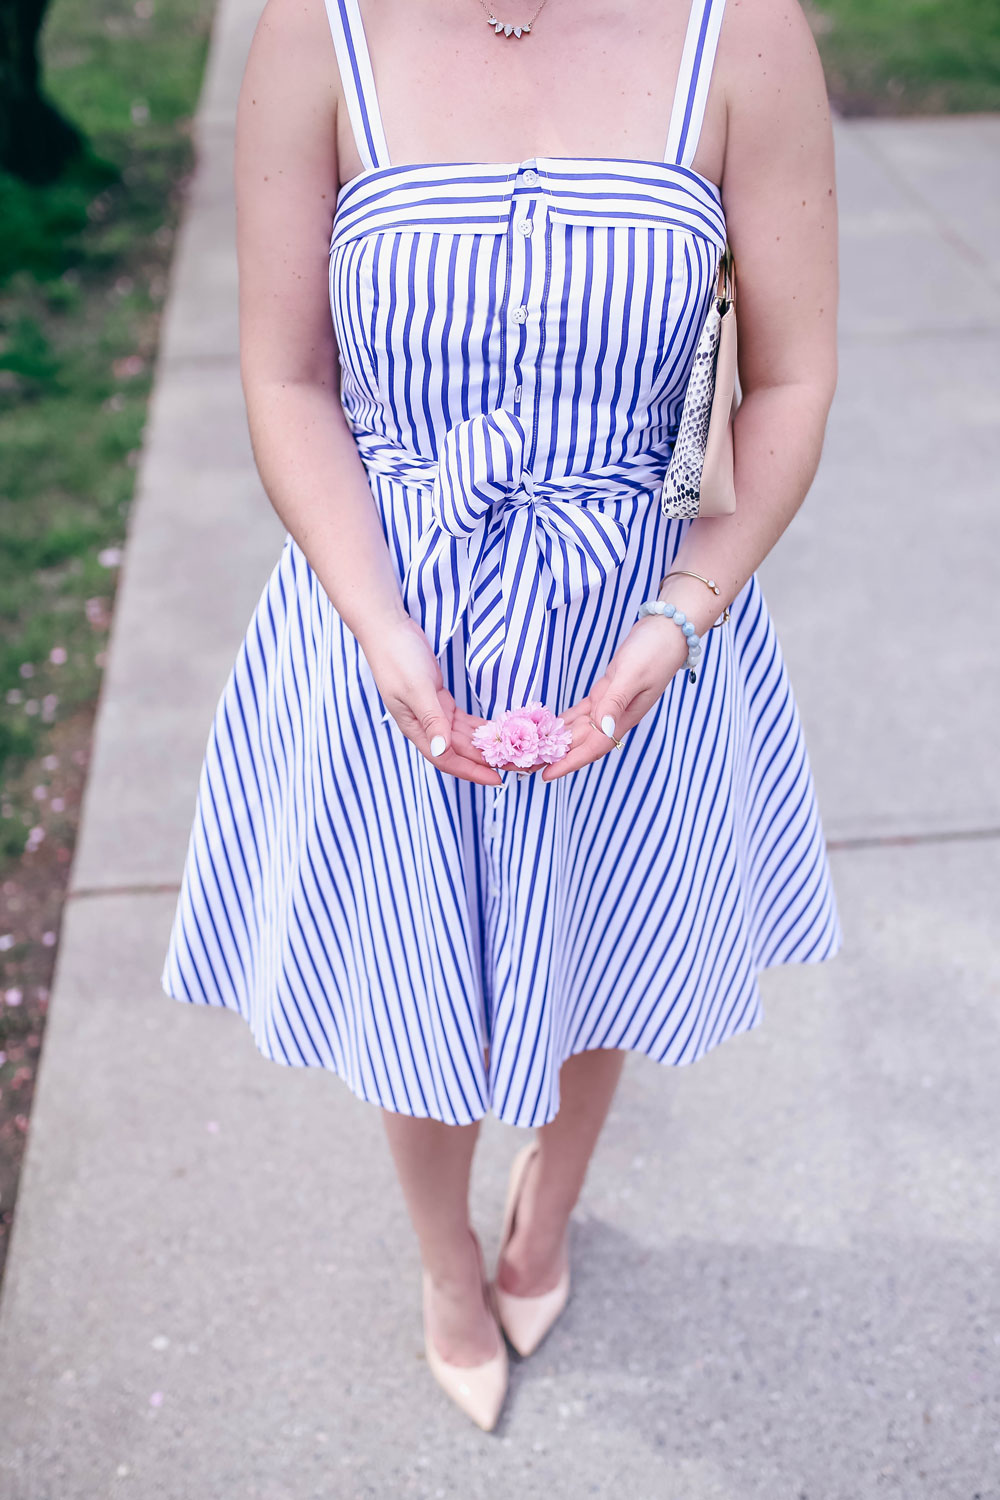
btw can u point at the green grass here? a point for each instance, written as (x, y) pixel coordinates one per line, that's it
(910, 56)
(82, 278)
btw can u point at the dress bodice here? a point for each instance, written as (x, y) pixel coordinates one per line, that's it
(568, 290)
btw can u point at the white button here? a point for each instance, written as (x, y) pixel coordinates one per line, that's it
(517, 393)
(530, 177)
(525, 226)
(520, 314)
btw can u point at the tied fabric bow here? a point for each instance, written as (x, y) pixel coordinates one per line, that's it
(504, 547)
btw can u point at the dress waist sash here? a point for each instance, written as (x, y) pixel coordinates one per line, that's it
(503, 547)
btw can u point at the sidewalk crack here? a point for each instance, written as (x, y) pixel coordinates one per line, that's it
(140, 888)
(905, 840)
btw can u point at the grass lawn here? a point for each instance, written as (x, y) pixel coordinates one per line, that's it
(82, 278)
(896, 57)
(83, 267)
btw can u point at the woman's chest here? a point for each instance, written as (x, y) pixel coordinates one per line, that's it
(548, 279)
(598, 83)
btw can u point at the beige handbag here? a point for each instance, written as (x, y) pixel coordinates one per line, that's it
(699, 477)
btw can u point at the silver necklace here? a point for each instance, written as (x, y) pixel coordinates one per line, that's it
(508, 28)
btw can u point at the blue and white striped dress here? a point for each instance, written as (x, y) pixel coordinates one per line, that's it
(515, 340)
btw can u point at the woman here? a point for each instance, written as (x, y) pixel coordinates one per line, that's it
(467, 457)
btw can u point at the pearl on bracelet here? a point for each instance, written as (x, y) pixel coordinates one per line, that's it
(671, 612)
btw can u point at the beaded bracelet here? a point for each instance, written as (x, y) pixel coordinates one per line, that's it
(671, 612)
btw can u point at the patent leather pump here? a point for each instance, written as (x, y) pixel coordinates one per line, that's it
(478, 1390)
(526, 1320)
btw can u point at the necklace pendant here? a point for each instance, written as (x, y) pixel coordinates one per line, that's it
(507, 28)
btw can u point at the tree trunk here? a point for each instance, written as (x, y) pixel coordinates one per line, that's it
(35, 141)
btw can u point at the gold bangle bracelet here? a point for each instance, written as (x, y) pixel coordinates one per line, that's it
(709, 583)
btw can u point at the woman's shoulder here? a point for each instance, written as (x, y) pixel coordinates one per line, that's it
(766, 47)
(295, 37)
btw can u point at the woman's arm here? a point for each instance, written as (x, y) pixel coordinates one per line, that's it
(286, 184)
(780, 203)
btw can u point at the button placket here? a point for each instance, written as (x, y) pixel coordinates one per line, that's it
(493, 828)
(525, 218)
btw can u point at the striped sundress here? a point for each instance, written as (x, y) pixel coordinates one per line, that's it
(515, 340)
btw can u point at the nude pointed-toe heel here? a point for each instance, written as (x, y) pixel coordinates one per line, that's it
(478, 1390)
(526, 1320)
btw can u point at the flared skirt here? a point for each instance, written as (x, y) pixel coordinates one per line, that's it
(444, 947)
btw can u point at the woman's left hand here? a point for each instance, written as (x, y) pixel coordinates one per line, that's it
(652, 651)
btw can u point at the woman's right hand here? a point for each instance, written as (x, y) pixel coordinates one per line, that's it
(408, 675)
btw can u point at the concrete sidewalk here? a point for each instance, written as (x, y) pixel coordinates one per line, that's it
(786, 1279)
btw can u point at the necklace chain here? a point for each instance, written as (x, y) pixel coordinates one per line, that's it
(508, 28)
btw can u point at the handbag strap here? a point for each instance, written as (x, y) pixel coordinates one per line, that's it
(726, 288)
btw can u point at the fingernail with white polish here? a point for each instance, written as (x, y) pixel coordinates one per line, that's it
(608, 725)
(437, 744)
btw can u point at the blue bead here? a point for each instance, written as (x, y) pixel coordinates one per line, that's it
(688, 628)
(670, 610)
(680, 616)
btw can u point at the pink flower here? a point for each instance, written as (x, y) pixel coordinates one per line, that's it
(538, 714)
(522, 737)
(519, 741)
(487, 739)
(556, 743)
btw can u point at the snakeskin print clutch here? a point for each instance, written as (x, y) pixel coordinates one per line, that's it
(699, 477)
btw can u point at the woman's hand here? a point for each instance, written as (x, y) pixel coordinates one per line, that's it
(636, 675)
(408, 676)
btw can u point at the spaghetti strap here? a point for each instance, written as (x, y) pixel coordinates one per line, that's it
(693, 80)
(355, 63)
